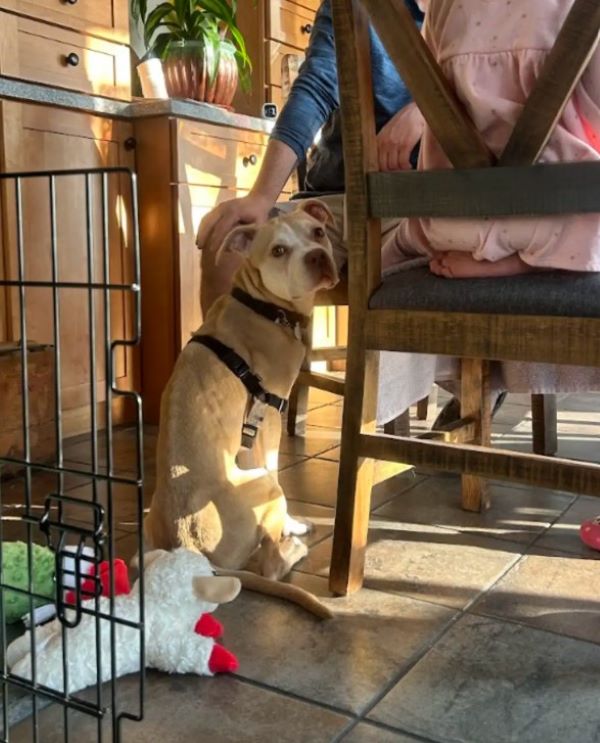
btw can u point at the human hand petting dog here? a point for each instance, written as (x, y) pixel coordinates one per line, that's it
(217, 224)
(398, 138)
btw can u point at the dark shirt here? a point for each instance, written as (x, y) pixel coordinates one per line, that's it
(314, 102)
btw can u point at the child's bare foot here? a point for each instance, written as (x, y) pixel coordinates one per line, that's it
(456, 264)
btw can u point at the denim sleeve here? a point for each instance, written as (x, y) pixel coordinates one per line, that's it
(314, 95)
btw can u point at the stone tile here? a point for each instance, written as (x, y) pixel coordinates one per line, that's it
(425, 562)
(312, 481)
(328, 416)
(316, 441)
(498, 682)
(563, 535)
(582, 446)
(124, 450)
(553, 591)
(316, 480)
(190, 709)
(317, 398)
(289, 460)
(365, 733)
(321, 518)
(581, 401)
(517, 514)
(343, 662)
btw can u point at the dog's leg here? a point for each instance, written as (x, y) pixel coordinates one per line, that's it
(295, 527)
(276, 559)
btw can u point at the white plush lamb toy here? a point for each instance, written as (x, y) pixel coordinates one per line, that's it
(181, 592)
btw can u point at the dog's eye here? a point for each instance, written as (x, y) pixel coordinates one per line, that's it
(318, 233)
(277, 251)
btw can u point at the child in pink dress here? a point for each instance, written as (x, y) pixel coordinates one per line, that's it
(492, 51)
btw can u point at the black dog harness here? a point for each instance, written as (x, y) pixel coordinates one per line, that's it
(261, 398)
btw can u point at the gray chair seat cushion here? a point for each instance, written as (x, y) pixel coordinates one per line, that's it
(562, 293)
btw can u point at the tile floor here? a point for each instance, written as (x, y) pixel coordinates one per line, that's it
(471, 628)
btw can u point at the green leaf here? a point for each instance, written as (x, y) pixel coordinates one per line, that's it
(241, 52)
(160, 47)
(220, 9)
(155, 20)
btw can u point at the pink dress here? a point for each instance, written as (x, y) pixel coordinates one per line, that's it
(492, 52)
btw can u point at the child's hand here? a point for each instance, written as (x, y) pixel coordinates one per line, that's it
(398, 138)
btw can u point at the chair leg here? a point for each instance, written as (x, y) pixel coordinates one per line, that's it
(544, 423)
(399, 426)
(297, 409)
(475, 403)
(355, 476)
(423, 408)
(298, 400)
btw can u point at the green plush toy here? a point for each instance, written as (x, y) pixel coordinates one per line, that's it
(14, 566)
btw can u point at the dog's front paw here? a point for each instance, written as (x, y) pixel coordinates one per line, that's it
(296, 528)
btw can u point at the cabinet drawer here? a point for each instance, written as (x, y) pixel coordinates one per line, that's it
(290, 23)
(210, 155)
(67, 59)
(105, 18)
(309, 4)
(275, 52)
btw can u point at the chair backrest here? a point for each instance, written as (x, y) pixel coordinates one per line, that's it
(443, 111)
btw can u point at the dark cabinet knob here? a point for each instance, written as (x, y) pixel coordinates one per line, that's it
(72, 59)
(306, 29)
(130, 144)
(70, 2)
(250, 160)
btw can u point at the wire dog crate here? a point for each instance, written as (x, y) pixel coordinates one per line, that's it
(77, 318)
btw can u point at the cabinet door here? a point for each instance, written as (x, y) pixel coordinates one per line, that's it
(38, 139)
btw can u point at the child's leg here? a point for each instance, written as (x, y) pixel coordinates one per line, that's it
(457, 264)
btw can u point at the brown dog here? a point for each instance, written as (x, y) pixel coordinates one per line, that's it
(203, 499)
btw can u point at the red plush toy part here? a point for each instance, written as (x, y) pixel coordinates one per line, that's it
(88, 586)
(590, 533)
(222, 661)
(208, 626)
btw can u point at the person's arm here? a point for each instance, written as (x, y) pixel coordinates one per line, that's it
(312, 99)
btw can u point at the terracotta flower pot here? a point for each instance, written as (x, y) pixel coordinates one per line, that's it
(194, 70)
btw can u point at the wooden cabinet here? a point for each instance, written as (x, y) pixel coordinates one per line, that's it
(37, 138)
(185, 169)
(272, 28)
(81, 56)
(107, 19)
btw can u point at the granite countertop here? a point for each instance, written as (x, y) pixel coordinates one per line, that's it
(136, 109)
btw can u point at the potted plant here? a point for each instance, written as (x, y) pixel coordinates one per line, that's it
(202, 50)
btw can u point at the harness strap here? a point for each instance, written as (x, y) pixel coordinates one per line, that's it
(236, 364)
(273, 312)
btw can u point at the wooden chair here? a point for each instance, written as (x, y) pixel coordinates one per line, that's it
(536, 318)
(543, 406)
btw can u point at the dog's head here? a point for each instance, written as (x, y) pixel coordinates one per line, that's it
(292, 253)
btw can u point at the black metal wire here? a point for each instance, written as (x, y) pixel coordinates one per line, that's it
(60, 530)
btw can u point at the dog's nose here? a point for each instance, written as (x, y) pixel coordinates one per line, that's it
(316, 258)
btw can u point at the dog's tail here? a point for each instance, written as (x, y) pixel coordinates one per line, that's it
(259, 584)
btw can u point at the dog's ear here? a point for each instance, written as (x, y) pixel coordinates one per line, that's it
(317, 209)
(238, 240)
(216, 589)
